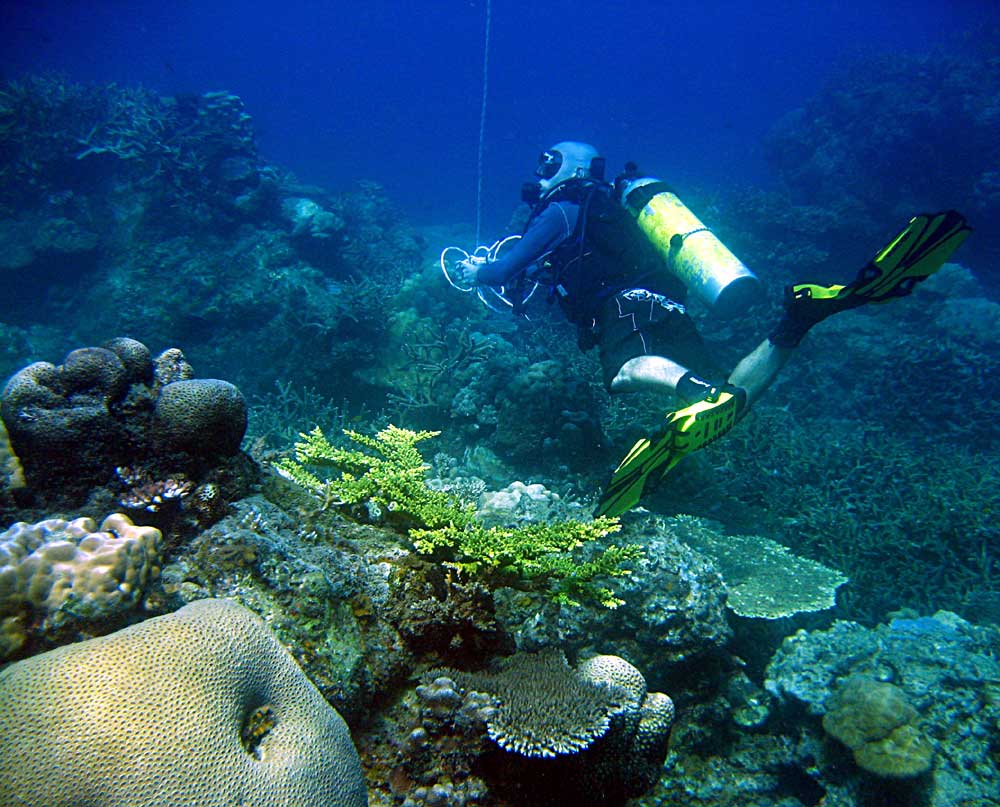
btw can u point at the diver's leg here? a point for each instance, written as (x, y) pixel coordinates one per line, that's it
(648, 373)
(757, 370)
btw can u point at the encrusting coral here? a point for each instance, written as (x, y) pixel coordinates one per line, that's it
(877, 722)
(199, 708)
(388, 479)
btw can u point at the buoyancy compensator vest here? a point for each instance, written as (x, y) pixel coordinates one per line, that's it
(607, 253)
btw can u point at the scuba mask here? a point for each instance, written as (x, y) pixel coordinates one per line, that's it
(549, 163)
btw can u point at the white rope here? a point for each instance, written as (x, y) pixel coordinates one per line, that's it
(482, 122)
(452, 259)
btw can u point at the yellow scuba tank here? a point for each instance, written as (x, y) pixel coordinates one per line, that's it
(692, 252)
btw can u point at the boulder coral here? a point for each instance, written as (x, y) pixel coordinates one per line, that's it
(56, 572)
(878, 723)
(72, 425)
(205, 416)
(199, 708)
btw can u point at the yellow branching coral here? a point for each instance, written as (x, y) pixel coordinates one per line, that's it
(390, 474)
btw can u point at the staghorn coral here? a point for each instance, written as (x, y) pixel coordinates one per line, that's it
(389, 479)
(58, 572)
(199, 708)
(390, 475)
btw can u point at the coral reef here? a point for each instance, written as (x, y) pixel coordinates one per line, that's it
(58, 575)
(125, 212)
(195, 153)
(892, 134)
(105, 408)
(203, 704)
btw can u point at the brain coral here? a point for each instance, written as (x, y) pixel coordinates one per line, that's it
(203, 416)
(105, 407)
(58, 418)
(55, 571)
(199, 708)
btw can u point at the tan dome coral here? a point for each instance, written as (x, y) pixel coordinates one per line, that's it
(199, 708)
(879, 724)
(56, 570)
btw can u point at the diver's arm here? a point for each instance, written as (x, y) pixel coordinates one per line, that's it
(555, 224)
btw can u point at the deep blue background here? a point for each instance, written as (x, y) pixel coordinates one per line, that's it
(391, 91)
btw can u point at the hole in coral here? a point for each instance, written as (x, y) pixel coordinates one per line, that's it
(794, 782)
(256, 727)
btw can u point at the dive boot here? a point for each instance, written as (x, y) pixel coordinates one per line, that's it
(686, 430)
(911, 257)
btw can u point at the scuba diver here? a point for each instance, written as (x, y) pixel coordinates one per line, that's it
(619, 258)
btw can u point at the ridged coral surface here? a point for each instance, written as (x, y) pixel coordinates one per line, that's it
(199, 708)
(59, 570)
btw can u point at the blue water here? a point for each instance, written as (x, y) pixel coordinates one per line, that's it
(391, 91)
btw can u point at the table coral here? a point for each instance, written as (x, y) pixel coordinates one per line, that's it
(590, 735)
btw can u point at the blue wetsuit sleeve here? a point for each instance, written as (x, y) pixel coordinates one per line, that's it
(555, 224)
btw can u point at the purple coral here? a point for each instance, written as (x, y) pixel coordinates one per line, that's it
(104, 407)
(203, 416)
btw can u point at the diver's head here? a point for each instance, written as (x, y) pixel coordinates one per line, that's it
(567, 160)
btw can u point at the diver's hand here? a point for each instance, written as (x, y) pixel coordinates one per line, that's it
(469, 271)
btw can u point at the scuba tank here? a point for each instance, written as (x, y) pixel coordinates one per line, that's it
(692, 252)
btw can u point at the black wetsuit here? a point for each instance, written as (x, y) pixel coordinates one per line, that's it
(608, 278)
